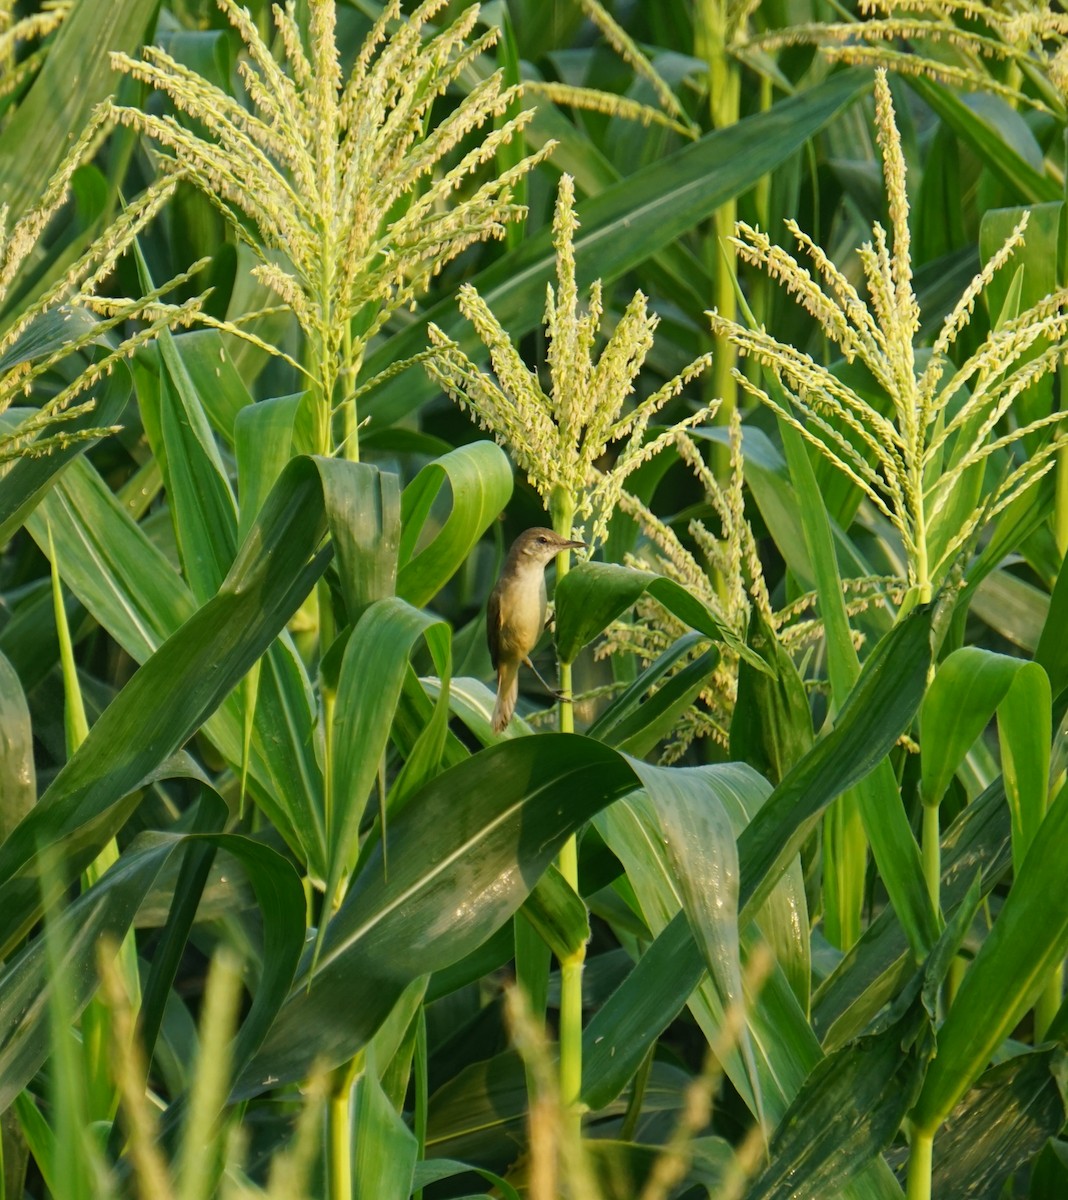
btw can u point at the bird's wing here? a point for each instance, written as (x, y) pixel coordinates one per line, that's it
(493, 625)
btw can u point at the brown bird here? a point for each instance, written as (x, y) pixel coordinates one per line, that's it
(515, 615)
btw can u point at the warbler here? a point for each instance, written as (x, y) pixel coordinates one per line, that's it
(515, 614)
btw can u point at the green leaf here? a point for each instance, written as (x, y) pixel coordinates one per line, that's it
(558, 913)
(1000, 1126)
(874, 969)
(1028, 938)
(648, 710)
(964, 694)
(969, 687)
(369, 686)
(893, 845)
(479, 477)
(108, 910)
(619, 229)
(176, 690)
(386, 1150)
(365, 507)
(691, 807)
(988, 142)
(18, 777)
(848, 1111)
(771, 728)
(202, 504)
(591, 595)
(877, 711)
(222, 391)
(620, 1032)
(263, 444)
(463, 853)
(75, 77)
(133, 591)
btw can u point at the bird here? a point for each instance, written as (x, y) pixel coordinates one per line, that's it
(515, 614)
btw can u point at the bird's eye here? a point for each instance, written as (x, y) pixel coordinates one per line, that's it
(544, 540)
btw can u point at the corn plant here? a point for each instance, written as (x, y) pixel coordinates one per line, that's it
(775, 907)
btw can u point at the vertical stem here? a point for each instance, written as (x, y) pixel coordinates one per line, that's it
(921, 1159)
(419, 1075)
(339, 1130)
(563, 513)
(339, 1146)
(711, 36)
(932, 854)
(350, 421)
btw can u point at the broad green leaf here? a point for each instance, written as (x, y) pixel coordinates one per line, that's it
(648, 710)
(771, 728)
(557, 912)
(365, 526)
(632, 831)
(201, 502)
(386, 1150)
(197, 860)
(1028, 938)
(222, 390)
(963, 697)
(591, 595)
(1000, 1126)
(620, 1032)
(132, 590)
(836, 762)
(176, 690)
(1010, 167)
(873, 970)
(463, 855)
(691, 806)
(1049, 1173)
(18, 777)
(853, 1102)
(893, 846)
(108, 910)
(619, 229)
(369, 686)
(479, 478)
(47, 333)
(847, 1113)
(783, 1043)
(76, 76)
(877, 711)
(969, 687)
(1025, 730)
(263, 444)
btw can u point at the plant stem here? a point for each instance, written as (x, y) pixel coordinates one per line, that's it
(711, 33)
(932, 854)
(339, 1130)
(921, 1158)
(563, 512)
(339, 1147)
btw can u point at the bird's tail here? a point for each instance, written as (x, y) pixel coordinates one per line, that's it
(507, 694)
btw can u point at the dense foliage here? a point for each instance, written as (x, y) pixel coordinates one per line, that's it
(305, 314)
